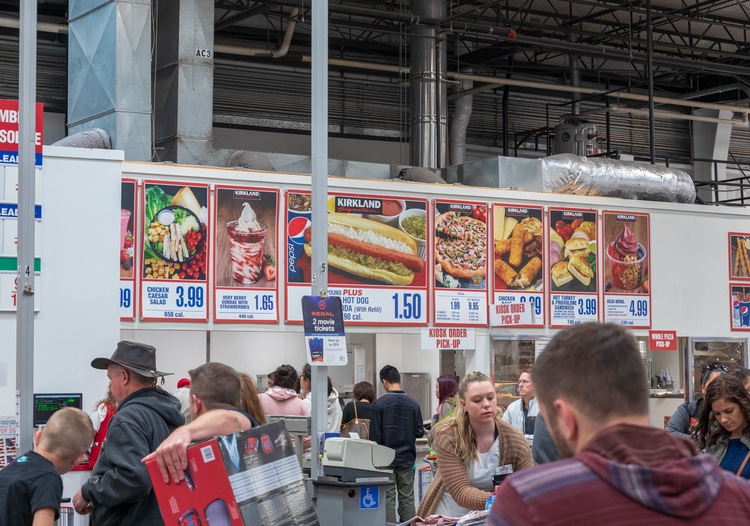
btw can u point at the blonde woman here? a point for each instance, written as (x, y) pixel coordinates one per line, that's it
(472, 446)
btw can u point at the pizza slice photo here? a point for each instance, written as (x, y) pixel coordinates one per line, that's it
(460, 249)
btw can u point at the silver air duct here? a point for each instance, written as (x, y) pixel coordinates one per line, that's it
(570, 174)
(96, 139)
(250, 160)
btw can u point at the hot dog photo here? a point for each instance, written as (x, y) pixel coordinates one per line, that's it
(371, 240)
(517, 247)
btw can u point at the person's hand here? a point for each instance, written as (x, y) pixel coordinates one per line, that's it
(171, 455)
(79, 503)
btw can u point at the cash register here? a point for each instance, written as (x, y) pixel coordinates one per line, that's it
(352, 490)
(350, 459)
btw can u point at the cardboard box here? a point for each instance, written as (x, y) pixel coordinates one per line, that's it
(204, 497)
(254, 474)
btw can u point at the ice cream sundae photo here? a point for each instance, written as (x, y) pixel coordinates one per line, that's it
(626, 260)
(246, 239)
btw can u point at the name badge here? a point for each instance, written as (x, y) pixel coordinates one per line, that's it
(506, 469)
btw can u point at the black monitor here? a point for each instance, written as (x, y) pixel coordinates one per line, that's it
(47, 403)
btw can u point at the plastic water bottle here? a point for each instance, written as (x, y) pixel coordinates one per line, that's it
(490, 501)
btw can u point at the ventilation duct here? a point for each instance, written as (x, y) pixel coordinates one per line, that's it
(420, 174)
(96, 139)
(570, 174)
(250, 161)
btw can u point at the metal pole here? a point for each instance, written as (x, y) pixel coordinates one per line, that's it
(650, 73)
(319, 259)
(26, 196)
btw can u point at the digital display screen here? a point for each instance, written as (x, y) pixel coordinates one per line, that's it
(46, 404)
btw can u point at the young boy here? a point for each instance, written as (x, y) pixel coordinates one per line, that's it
(31, 487)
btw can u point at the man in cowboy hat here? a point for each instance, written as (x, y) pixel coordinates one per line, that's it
(119, 491)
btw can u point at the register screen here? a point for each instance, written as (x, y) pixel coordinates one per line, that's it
(46, 404)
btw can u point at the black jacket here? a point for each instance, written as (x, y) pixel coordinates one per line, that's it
(119, 488)
(396, 422)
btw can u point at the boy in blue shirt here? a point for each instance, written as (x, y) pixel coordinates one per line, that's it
(31, 487)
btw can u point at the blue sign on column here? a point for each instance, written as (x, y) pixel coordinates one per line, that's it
(369, 498)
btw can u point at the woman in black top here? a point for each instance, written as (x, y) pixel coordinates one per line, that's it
(364, 395)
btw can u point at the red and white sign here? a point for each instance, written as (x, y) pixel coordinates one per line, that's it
(448, 338)
(662, 340)
(9, 117)
(512, 314)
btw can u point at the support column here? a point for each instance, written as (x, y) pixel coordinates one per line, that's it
(109, 72)
(184, 78)
(711, 141)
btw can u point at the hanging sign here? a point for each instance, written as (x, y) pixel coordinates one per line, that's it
(460, 262)
(518, 259)
(572, 267)
(627, 287)
(662, 340)
(376, 257)
(245, 284)
(174, 283)
(9, 137)
(127, 249)
(325, 339)
(435, 338)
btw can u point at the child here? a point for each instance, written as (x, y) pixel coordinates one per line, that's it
(31, 487)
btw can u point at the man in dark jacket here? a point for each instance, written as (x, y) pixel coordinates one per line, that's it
(396, 422)
(618, 469)
(119, 492)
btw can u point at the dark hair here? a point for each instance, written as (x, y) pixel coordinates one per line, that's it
(285, 376)
(606, 356)
(307, 375)
(711, 367)
(390, 374)
(364, 390)
(447, 387)
(728, 387)
(216, 384)
(250, 401)
(741, 374)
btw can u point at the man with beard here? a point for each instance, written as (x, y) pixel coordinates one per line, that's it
(592, 391)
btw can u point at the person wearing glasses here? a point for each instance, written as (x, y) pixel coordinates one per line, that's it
(475, 448)
(728, 404)
(685, 418)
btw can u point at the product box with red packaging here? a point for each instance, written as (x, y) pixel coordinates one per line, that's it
(204, 497)
(250, 478)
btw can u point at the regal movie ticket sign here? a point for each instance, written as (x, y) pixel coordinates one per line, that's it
(174, 271)
(377, 247)
(245, 284)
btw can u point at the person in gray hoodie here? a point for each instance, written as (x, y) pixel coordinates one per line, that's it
(119, 491)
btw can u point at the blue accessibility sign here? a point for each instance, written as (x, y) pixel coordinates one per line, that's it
(369, 498)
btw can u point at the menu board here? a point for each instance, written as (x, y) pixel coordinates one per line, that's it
(127, 249)
(245, 285)
(460, 262)
(174, 279)
(739, 256)
(377, 247)
(572, 267)
(627, 288)
(518, 259)
(8, 440)
(739, 305)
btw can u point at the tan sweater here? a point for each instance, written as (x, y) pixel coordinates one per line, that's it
(451, 475)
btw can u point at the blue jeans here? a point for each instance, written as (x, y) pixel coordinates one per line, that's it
(404, 486)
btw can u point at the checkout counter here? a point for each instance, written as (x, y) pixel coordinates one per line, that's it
(352, 490)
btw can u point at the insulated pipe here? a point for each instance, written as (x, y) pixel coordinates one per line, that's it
(459, 123)
(497, 81)
(96, 139)
(279, 52)
(739, 123)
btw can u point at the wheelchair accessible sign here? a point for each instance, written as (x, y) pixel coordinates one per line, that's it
(325, 340)
(369, 498)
